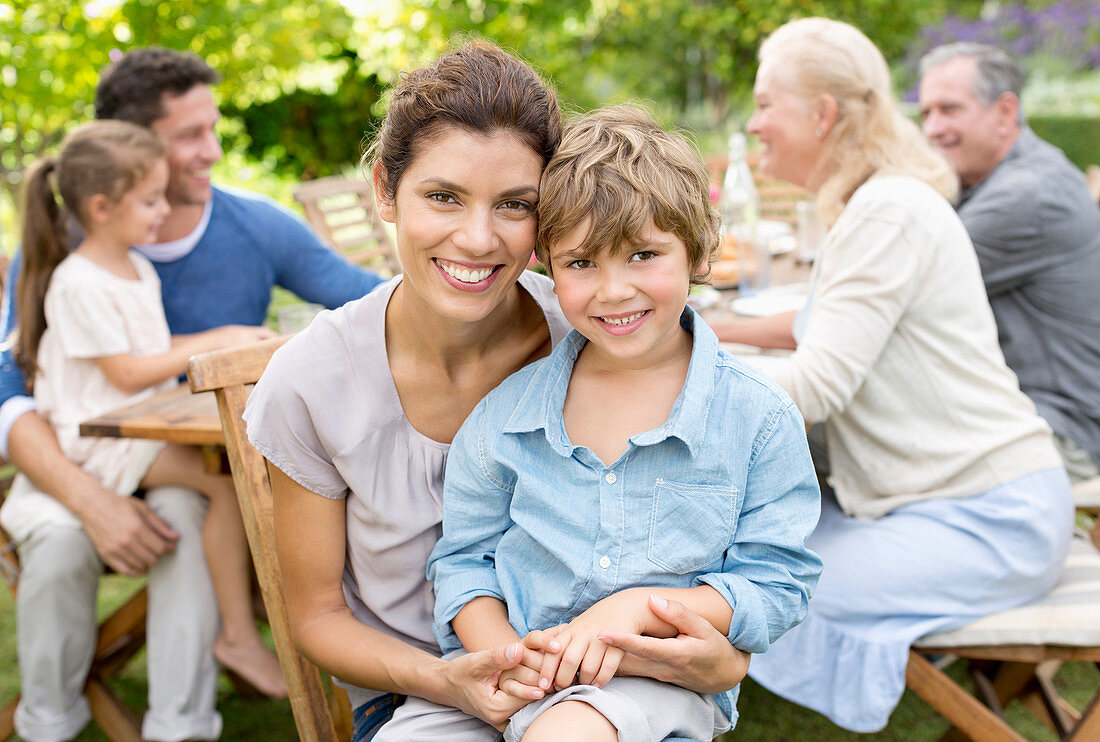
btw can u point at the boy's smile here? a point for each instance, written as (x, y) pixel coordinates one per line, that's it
(623, 324)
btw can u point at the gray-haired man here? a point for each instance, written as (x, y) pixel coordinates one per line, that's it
(1037, 234)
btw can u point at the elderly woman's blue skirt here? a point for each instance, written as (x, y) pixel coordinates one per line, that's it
(923, 568)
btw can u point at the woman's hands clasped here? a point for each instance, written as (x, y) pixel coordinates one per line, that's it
(615, 636)
(693, 655)
(698, 657)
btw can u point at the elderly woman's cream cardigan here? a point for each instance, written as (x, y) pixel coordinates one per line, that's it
(900, 359)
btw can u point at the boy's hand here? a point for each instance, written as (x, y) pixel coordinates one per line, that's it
(582, 656)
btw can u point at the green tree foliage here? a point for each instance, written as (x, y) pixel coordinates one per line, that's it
(683, 54)
(311, 133)
(51, 52)
(302, 79)
(49, 56)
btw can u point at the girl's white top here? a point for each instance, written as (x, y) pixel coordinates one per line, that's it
(91, 313)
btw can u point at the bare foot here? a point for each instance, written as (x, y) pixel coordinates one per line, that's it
(253, 661)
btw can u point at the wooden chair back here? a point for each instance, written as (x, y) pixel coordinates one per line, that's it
(343, 213)
(119, 638)
(229, 374)
(778, 198)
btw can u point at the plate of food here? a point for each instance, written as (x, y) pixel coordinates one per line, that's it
(782, 245)
(724, 274)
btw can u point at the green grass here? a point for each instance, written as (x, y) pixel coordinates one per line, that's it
(767, 718)
(245, 719)
(764, 717)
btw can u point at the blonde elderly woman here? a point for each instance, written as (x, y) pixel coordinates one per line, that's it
(947, 500)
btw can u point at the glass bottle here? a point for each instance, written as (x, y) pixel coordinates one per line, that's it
(740, 208)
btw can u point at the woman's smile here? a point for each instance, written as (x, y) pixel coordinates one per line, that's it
(466, 277)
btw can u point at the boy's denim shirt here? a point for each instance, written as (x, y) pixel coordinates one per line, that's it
(723, 493)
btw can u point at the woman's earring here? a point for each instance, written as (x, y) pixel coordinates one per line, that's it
(817, 132)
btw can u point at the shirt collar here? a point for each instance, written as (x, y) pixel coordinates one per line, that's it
(1024, 144)
(540, 406)
(166, 252)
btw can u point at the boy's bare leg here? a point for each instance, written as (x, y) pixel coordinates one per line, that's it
(238, 647)
(585, 724)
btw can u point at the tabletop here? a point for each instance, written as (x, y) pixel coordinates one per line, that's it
(175, 415)
(786, 272)
(178, 416)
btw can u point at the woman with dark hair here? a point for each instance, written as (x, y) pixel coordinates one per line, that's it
(356, 413)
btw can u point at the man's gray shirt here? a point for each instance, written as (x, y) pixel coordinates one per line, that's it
(1036, 230)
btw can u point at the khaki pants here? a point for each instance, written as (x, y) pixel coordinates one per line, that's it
(56, 628)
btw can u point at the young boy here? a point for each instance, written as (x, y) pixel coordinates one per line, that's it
(636, 460)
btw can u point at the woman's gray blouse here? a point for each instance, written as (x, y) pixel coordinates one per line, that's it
(326, 412)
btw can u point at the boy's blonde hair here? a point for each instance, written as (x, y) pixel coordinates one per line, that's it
(619, 168)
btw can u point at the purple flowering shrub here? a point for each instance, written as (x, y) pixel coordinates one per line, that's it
(1067, 31)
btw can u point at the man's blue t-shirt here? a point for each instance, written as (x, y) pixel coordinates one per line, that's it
(250, 245)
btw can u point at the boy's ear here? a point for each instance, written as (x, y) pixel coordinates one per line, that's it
(384, 204)
(99, 207)
(702, 266)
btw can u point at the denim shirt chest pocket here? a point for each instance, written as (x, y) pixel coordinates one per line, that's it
(691, 525)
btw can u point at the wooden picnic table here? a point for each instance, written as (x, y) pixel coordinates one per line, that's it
(176, 415)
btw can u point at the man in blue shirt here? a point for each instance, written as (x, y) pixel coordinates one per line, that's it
(218, 255)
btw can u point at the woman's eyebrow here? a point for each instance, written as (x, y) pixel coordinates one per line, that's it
(444, 184)
(523, 190)
(520, 191)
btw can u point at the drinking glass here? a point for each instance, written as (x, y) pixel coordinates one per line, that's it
(754, 263)
(294, 318)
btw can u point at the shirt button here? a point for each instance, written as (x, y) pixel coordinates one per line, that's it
(610, 478)
(605, 562)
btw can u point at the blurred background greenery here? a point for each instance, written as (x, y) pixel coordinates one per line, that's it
(304, 81)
